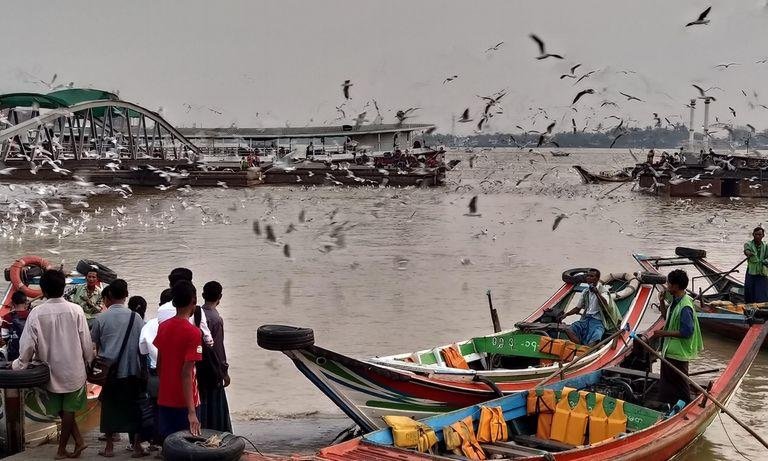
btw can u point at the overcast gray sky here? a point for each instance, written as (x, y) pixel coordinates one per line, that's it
(264, 63)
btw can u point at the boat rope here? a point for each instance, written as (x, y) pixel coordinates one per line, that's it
(720, 417)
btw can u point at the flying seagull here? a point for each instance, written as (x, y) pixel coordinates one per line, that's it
(345, 88)
(732, 110)
(465, 116)
(495, 47)
(473, 205)
(543, 50)
(727, 65)
(701, 20)
(703, 93)
(558, 218)
(573, 72)
(630, 97)
(450, 79)
(582, 93)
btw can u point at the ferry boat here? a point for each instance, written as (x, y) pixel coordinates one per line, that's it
(38, 427)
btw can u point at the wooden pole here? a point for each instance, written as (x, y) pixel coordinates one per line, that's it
(494, 314)
(703, 391)
(722, 276)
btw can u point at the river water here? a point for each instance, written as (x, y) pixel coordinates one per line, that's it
(376, 271)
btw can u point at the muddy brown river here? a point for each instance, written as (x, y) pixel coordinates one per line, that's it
(391, 278)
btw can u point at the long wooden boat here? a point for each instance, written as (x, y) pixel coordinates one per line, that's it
(38, 426)
(628, 427)
(723, 302)
(420, 384)
(624, 175)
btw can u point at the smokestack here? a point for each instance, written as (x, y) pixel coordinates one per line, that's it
(690, 125)
(706, 124)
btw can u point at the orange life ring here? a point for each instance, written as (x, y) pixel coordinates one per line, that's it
(19, 265)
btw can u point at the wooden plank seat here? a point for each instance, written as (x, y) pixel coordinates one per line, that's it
(535, 442)
(511, 450)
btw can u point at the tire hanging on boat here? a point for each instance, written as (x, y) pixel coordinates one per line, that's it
(284, 337)
(106, 275)
(16, 273)
(34, 376)
(651, 278)
(692, 253)
(575, 276)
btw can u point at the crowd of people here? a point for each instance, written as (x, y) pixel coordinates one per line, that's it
(158, 376)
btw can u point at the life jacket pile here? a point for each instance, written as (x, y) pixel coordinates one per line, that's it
(560, 422)
(562, 348)
(409, 433)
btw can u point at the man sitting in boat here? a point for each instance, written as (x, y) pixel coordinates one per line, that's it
(682, 337)
(88, 296)
(600, 313)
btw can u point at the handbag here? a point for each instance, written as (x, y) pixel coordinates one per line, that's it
(102, 367)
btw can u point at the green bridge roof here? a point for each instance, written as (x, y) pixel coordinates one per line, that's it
(55, 99)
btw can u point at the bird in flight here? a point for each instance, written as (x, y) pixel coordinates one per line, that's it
(345, 88)
(572, 74)
(582, 93)
(495, 47)
(701, 20)
(630, 97)
(732, 110)
(450, 79)
(465, 116)
(402, 115)
(543, 50)
(727, 65)
(703, 93)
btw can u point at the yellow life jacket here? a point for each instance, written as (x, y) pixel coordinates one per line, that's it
(460, 438)
(569, 425)
(602, 426)
(409, 433)
(492, 426)
(543, 405)
(453, 358)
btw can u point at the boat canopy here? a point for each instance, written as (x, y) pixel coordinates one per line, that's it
(11, 100)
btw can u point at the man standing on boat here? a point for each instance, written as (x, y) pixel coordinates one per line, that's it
(756, 279)
(681, 337)
(600, 313)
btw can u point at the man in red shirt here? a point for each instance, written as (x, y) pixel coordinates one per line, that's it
(179, 346)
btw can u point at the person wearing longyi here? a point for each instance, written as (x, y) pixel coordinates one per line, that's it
(681, 335)
(756, 278)
(600, 313)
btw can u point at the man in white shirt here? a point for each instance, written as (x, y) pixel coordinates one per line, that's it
(167, 311)
(600, 313)
(57, 333)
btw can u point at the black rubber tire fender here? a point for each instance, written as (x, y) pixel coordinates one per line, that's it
(33, 376)
(183, 446)
(651, 278)
(575, 276)
(692, 253)
(106, 275)
(284, 337)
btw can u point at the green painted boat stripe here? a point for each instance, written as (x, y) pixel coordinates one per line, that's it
(408, 406)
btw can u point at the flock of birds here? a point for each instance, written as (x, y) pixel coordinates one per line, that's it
(47, 211)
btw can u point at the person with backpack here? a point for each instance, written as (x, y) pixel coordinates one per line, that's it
(13, 324)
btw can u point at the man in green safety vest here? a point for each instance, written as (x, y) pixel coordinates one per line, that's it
(681, 337)
(756, 280)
